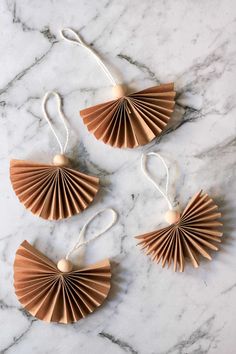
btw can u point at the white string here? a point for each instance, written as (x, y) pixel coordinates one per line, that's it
(62, 117)
(147, 175)
(80, 241)
(78, 40)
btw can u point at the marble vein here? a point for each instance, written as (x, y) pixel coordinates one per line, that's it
(123, 345)
(25, 71)
(149, 310)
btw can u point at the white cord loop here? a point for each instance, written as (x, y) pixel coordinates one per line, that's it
(80, 241)
(62, 117)
(147, 175)
(75, 38)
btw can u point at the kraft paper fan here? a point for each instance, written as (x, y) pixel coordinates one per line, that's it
(52, 192)
(131, 120)
(191, 236)
(53, 296)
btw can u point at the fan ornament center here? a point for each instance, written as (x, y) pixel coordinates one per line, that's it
(172, 216)
(64, 265)
(61, 160)
(118, 91)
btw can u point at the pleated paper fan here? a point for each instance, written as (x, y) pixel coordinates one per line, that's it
(191, 236)
(131, 120)
(53, 296)
(52, 192)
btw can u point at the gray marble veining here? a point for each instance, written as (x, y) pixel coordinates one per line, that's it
(149, 310)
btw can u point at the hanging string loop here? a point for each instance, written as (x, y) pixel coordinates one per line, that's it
(81, 238)
(164, 193)
(76, 39)
(62, 117)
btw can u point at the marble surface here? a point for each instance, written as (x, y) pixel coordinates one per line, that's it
(149, 310)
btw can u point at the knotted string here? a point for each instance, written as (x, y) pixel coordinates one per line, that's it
(81, 236)
(62, 117)
(78, 40)
(147, 175)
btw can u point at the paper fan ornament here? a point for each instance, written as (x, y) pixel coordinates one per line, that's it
(59, 293)
(130, 120)
(189, 235)
(53, 191)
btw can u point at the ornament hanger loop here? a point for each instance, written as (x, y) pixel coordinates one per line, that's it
(62, 117)
(147, 175)
(75, 38)
(81, 236)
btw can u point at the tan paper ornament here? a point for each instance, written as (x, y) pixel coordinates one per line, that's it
(189, 234)
(194, 233)
(132, 119)
(59, 293)
(54, 296)
(52, 191)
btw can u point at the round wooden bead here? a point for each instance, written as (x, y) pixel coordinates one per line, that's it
(64, 265)
(118, 91)
(172, 216)
(61, 160)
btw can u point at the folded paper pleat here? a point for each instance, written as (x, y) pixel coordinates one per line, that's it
(50, 191)
(196, 231)
(132, 120)
(53, 296)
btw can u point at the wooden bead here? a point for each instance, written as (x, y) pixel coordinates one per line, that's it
(118, 91)
(64, 265)
(61, 160)
(172, 216)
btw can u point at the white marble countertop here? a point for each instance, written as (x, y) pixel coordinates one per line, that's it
(149, 310)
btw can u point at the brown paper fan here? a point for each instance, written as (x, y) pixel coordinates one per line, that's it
(131, 120)
(189, 237)
(52, 192)
(54, 296)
